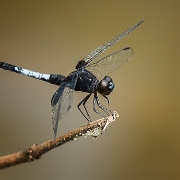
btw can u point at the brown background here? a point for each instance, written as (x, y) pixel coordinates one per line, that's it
(51, 37)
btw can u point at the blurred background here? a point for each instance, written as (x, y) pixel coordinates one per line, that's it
(51, 37)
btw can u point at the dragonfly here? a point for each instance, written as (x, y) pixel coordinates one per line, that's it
(90, 76)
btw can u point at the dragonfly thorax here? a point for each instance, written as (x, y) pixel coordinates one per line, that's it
(105, 86)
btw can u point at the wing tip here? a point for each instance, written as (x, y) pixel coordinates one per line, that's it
(139, 23)
(126, 48)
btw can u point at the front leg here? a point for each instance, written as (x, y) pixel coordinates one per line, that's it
(106, 98)
(96, 100)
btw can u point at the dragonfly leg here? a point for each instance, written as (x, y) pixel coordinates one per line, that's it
(94, 107)
(84, 102)
(108, 103)
(96, 100)
(106, 98)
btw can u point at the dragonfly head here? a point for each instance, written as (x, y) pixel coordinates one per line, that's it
(105, 86)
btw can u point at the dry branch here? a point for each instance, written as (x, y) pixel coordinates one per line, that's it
(93, 129)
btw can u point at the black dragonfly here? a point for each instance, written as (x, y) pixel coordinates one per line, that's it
(90, 76)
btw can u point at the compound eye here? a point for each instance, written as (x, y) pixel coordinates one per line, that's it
(105, 86)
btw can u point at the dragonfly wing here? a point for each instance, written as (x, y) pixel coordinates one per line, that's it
(110, 63)
(99, 50)
(62, 100)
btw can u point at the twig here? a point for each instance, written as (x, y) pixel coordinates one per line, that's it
(35, 151)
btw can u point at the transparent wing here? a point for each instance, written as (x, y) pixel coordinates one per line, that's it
(110, 63)
(62, 100)
(99, 50)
